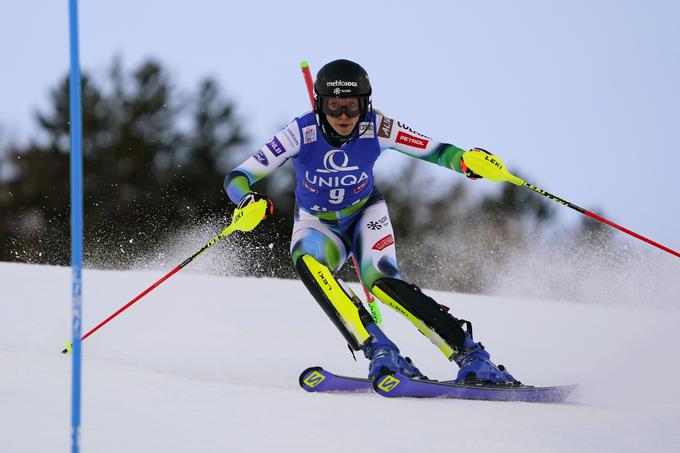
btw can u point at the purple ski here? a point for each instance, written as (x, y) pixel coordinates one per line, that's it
(316, 379)
(396, 385)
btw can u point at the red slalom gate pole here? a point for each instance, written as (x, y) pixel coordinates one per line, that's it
(308, 82)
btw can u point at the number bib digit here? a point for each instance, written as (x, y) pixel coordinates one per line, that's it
(336, 196)
(330, 178)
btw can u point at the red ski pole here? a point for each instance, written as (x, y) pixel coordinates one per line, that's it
(245, 219)
(492, 168)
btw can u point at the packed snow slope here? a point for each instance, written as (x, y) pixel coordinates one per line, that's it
(211, 364)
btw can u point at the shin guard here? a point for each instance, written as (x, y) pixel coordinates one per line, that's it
(337, 300)
(431, 318)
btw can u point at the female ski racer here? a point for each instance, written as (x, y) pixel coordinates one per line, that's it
(339, 212)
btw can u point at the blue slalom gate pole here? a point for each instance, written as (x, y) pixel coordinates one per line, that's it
(76, 224)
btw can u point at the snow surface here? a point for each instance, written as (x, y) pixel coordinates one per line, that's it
(211, 364)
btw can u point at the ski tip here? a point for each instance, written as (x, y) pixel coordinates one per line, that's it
(310, 378)
(304, 64)
(68, 348)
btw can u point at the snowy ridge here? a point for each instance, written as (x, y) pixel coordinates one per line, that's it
(210, 364)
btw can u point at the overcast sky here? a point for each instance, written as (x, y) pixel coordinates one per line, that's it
(581, 98)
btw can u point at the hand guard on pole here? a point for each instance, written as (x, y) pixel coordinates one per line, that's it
(467, 171)
(251, 198)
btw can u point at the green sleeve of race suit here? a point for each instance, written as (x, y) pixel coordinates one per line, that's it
(236, 184)
(447, 156)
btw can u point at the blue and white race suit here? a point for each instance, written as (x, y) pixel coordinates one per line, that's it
(339, 211)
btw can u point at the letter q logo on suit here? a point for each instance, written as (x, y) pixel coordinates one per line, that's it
(331, 162)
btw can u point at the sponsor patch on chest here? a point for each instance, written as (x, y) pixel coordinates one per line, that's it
(309, 134)
(308, 187)
(366, 130)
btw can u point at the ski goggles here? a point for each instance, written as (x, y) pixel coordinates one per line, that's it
(335, 107)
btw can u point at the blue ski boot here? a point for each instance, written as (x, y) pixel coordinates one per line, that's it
(476, 366)
(384, 356)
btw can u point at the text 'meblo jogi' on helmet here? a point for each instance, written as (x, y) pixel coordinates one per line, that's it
(342, 79)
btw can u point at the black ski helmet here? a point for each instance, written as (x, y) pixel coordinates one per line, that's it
(341, 78)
